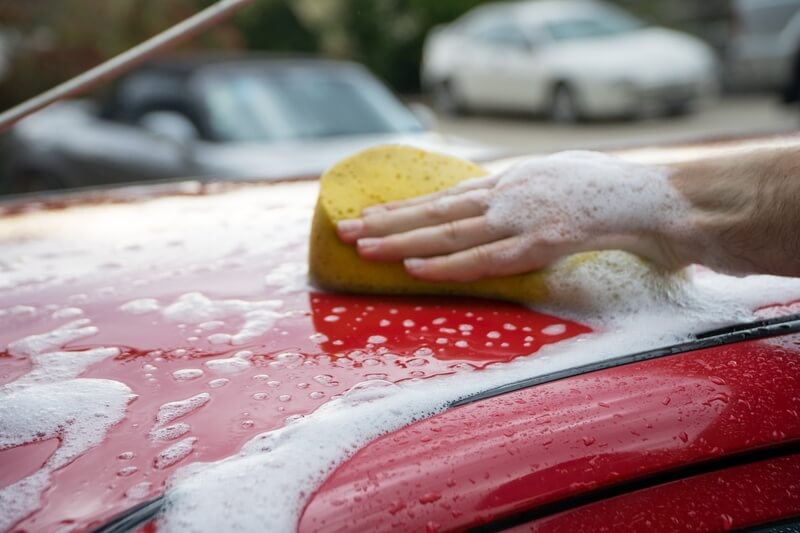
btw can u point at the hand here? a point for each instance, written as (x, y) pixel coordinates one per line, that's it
(525, 218)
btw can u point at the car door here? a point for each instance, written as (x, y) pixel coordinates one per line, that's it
(505, 72)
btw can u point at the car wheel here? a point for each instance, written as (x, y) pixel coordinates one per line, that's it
(564, 106)
(446, 98)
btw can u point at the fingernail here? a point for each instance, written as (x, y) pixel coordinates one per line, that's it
(368, 243)
(414, 263)
(351, 226)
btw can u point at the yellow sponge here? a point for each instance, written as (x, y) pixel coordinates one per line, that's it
(379, 175)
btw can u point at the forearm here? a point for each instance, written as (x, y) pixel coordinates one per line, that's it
(745, 212)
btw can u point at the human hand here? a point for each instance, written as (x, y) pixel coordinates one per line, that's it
(525, 218)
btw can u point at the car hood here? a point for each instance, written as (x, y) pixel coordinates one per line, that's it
(311, 157)
(155, 333)
(648, 56)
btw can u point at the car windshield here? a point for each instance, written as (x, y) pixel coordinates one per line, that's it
(301, 103)
(603, 25)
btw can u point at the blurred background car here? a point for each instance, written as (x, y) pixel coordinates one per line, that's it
(218, 116)
(764, 46)
(568, 59)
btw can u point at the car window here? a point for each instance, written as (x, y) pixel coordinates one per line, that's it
(287, 104)
(504, 34)
(769, 17)
(589, 27)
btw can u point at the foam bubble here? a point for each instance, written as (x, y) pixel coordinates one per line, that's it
(141, 306)
(173, 410)
(51, 340)
(175, 453)
(642, 315)
(79, 412)
(196, 308)
(186, 374)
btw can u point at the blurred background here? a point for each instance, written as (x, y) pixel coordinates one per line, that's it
(287, 87)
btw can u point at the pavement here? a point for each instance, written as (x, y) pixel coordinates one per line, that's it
(728, 116)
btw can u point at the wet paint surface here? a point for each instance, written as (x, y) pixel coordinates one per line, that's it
(317, 346)
(529, 448)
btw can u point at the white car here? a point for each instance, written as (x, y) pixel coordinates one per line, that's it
(569, 59)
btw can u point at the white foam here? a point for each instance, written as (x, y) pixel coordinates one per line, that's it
(239, 362)
(67, 312)
(53, 339)
(196, 308)
(61, 366)
(141, 306)
(175, 452)
(79, 412)
(573, 196)
(187, 374)
(173, 410)
(170, 432)
(645, 310)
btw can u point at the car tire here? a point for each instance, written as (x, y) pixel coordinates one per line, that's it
(564, 108)
(446, 99)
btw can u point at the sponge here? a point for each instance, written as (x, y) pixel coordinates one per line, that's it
(384, 174)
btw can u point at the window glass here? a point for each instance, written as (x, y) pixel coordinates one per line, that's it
(284, 104)
(592, 26)
(771, 17)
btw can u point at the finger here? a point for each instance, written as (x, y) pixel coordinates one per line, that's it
(485, 182)
(467, 205)
(507, 257)
(431, 241)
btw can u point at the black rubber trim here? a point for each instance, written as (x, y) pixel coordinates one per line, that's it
(661, 478)
(761, 329)
(136, 516)
(132, 518)
(787, 525)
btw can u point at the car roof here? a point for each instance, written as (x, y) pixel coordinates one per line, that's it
(187, 64)
(539, 11)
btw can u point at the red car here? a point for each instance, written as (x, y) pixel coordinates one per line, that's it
(155, 330)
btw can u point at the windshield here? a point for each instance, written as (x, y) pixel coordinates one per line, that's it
(602, 25)
(302, 103)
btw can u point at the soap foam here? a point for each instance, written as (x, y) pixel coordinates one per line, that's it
(577, 196)
(51, 340)
(646, 309)
(196, 308)
(173, 410)
(79, 412)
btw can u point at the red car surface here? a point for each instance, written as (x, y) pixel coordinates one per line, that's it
(699, 436)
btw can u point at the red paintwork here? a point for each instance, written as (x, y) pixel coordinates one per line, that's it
(511, 452)
(733, 498)
(88, 491)
(518, 451)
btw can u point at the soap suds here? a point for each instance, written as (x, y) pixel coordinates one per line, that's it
(646, 309)
(574, 196)
(51, 340)
(173, 410)
(196, 308)
(79, 412)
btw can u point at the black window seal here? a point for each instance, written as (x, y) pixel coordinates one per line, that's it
(761, 329)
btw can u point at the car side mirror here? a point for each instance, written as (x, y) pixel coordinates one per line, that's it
(424, 114)
(170, 125)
